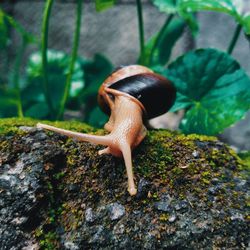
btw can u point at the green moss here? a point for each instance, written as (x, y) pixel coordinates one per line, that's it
(245, 157)
(194, 137)
(166, 159)
(49, 242)
(164, 217)
(158, 153)
(4, 145)
(59, 175)
(11, 125)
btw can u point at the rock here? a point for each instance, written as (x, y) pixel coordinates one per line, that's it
(172, 218)
(57, 193)
(70, 245)
(181, 205)
(100, 235)
(195, 154)
(143, 188)
(89, 215)
(116, 211)
(163, 206)
(27, 128)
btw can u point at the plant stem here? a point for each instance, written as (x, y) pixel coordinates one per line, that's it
(16, 84)
(45, 31)
(30, 38)
(234, 39)
(159, 36)
(72, 60)
(141, 30)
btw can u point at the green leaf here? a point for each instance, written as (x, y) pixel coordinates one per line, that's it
(148, 51)
(58, 68)
(158, 50)
(212, 87)
(101, 5)
(191, 21)
(29, 38)
(225, 6)
(186, 8)
(182, 102)
(167, 6)
(38, 110)
(97, 118)
(230, 7)
(8, 103)
(95, 72)
(172, 7)
(246, 24)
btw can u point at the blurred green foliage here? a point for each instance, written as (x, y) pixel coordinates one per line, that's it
(215, 96)
(58, 66)
(186, 8)
(159, 47)
(101, 5)
(211, 87)
(96, 71)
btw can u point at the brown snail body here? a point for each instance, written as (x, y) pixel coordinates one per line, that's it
(130, 95)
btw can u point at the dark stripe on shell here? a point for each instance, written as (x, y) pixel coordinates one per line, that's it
(155, 92)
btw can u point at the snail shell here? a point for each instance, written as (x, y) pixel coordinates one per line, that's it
(155, 93)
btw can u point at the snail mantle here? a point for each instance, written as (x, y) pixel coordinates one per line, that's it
(58, 193)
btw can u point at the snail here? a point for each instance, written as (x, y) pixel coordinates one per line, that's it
(130, 96)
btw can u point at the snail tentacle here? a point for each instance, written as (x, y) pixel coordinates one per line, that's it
(108, 98)
(96, 139)
(104, 151)
(126, 152)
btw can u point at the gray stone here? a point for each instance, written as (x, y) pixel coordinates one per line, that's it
(99, 235)
(172, 218)
(181, 205)
(143, 188)
(195, 154)
(163, 206)
(89, 215)
(116, 211)
(70, 245)
(27, 129)
(237, 216)
(101, 214)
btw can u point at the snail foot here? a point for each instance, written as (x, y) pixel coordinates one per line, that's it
(132, 191)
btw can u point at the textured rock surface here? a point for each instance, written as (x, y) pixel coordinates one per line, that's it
(56, 193)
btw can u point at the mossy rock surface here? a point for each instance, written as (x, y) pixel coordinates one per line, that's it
(57, 193)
